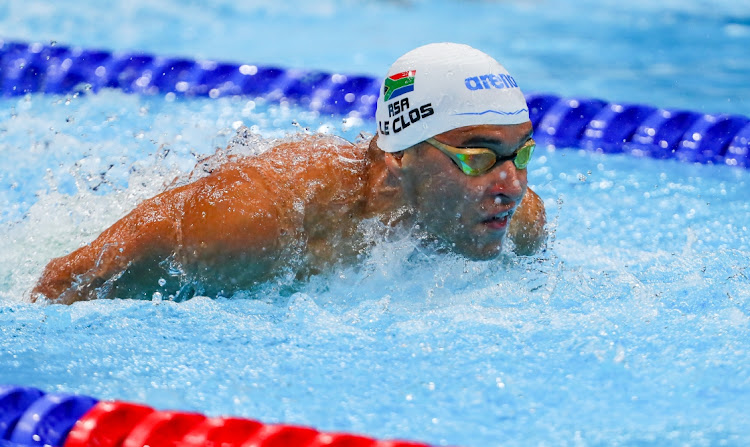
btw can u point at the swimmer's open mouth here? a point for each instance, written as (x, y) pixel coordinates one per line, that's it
(499, 221)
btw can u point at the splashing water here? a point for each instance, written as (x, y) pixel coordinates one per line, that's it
(630, 327)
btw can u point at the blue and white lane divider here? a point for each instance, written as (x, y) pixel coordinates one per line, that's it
(590, 124)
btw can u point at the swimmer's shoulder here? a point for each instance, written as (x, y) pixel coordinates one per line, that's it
(319, 158)
(321, 147)
(294, 166)
(303, 150)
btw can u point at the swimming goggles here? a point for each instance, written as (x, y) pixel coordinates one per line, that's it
(476, 161)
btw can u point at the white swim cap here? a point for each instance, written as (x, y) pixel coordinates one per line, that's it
(442, 86)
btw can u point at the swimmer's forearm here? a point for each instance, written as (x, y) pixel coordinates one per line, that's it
(60, 282)
(78, 276)
(147, 233)
(527, 228)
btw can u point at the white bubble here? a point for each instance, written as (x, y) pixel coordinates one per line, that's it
(248, 69)
(326, 129)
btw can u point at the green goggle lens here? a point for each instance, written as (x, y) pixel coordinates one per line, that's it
(475, 164)
(477, 161)
(523, 156)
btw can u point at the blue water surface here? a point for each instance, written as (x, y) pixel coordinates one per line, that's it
(631, 328)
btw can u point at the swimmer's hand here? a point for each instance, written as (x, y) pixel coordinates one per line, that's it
(527, 229)
(61, 282)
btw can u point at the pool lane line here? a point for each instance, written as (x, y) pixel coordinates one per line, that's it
(587, 123)
(30, 417)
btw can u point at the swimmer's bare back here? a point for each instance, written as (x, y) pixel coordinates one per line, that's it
(230, 230)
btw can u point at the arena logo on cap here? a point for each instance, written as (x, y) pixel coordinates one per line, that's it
(488, 81)
(398, 84)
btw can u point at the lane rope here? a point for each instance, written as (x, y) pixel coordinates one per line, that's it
(589, 124)
(30, 417)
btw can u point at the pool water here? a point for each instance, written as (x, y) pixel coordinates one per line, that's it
(631, 328)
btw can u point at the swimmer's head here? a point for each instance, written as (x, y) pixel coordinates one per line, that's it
(440, 87)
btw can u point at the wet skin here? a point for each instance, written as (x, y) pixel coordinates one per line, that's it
(296, 209)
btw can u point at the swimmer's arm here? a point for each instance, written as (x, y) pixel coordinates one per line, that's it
(232, 230)
(222, 229)
(140, 239)
(527, 229)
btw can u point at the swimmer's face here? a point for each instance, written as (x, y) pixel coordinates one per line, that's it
(470, 214)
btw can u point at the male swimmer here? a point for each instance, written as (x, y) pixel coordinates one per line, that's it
(450, 156)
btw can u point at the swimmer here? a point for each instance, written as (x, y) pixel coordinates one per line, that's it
(449, 158)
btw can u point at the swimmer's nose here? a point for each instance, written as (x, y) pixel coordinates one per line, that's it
(507, 182)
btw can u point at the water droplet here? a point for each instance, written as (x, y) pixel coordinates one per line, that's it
(162, 281)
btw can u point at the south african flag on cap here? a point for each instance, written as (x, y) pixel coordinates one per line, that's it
(398, 84)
